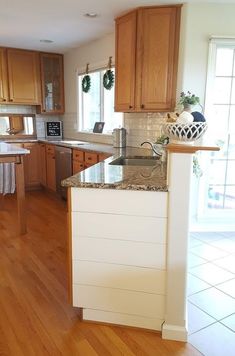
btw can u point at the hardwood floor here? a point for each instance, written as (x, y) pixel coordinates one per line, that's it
(35, 317)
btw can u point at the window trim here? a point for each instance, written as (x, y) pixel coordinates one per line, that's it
(203, 213)
(98, 68)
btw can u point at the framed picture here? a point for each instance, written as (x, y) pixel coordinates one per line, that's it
(98, 127)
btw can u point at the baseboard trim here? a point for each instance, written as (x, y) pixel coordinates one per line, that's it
(174, 332)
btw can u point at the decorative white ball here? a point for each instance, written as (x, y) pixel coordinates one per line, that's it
(185, 118)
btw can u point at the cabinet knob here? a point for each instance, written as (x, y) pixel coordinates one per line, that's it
(3, 99)
(11, 100)
(142, 106)
(130, 106)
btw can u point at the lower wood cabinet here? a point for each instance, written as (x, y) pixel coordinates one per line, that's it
(83, 160)
(31, 167)
(103, 156)
(39, 165)
(78, 161)
(50, 167)
(42, 164)
(91, 158)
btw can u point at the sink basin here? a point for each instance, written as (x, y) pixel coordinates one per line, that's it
(135, 161)
(73, 142)
(70, 142)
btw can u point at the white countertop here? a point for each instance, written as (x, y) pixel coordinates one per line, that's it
(9, 150)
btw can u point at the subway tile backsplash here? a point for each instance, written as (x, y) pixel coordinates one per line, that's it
(143, 127)
(140, 126)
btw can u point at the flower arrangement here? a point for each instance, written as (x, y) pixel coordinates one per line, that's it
(188, 99)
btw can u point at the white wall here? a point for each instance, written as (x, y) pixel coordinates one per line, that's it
(203, 21)
(95, 53)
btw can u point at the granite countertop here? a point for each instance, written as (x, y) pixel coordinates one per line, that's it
(106, 176)
(9, 150)
(71, 143)
(81, 145)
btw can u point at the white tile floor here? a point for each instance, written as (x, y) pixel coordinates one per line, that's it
(211, 293)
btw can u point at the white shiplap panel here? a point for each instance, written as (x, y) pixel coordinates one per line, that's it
(124, 202)
(121, 227)
(119, 276)
(122, 319)
(119, 301)
(119, 252)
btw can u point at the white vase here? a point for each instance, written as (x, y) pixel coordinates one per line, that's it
(188, 107)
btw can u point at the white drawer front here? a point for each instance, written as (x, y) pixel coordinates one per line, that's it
(119, 276)
(121, 227)
(126, 202)
(120, 252)
(122, 319)
(119, 301)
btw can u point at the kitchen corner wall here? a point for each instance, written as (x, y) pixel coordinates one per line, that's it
(198, 23)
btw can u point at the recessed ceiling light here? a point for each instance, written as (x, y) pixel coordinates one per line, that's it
(46, 41)
(91, 14)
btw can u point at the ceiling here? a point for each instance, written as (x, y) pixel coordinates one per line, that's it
(23, 23)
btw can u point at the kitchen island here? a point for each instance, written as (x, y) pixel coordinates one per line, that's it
(13, 154)
(128, 242)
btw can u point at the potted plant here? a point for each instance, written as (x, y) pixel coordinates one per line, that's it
(187, 100)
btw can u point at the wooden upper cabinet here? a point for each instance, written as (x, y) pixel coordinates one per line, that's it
(125, 62)
(156, 59)
(3, 76)
(23, 76)
(52, 76)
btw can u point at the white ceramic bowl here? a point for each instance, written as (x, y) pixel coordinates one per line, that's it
(182, 133)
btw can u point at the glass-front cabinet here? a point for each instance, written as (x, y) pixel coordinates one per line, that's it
(52, 83)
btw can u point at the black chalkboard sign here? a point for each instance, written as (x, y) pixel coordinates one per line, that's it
(54, 128)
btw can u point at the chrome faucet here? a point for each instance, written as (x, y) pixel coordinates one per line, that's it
(158, 149)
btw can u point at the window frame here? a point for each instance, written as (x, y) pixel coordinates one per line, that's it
(80, 107)
(205, 214)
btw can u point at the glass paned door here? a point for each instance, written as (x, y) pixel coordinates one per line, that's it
(217, 187)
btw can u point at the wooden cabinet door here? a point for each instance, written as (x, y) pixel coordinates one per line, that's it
(52, 83)
(24, 76)
(91, 158)
(103, 156)
(31, 166)
(78, 166)
(125, 62)
(50, 167)
(158, 36)
(3, 76)
(42, 165)
(78, 155)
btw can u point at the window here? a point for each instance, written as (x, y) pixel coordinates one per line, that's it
(97, 105)
(218, 184)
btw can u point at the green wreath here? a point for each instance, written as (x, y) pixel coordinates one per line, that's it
(108, 79)
(86, 83)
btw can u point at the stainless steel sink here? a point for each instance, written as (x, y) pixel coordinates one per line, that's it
(70, 142)
(135, 161)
